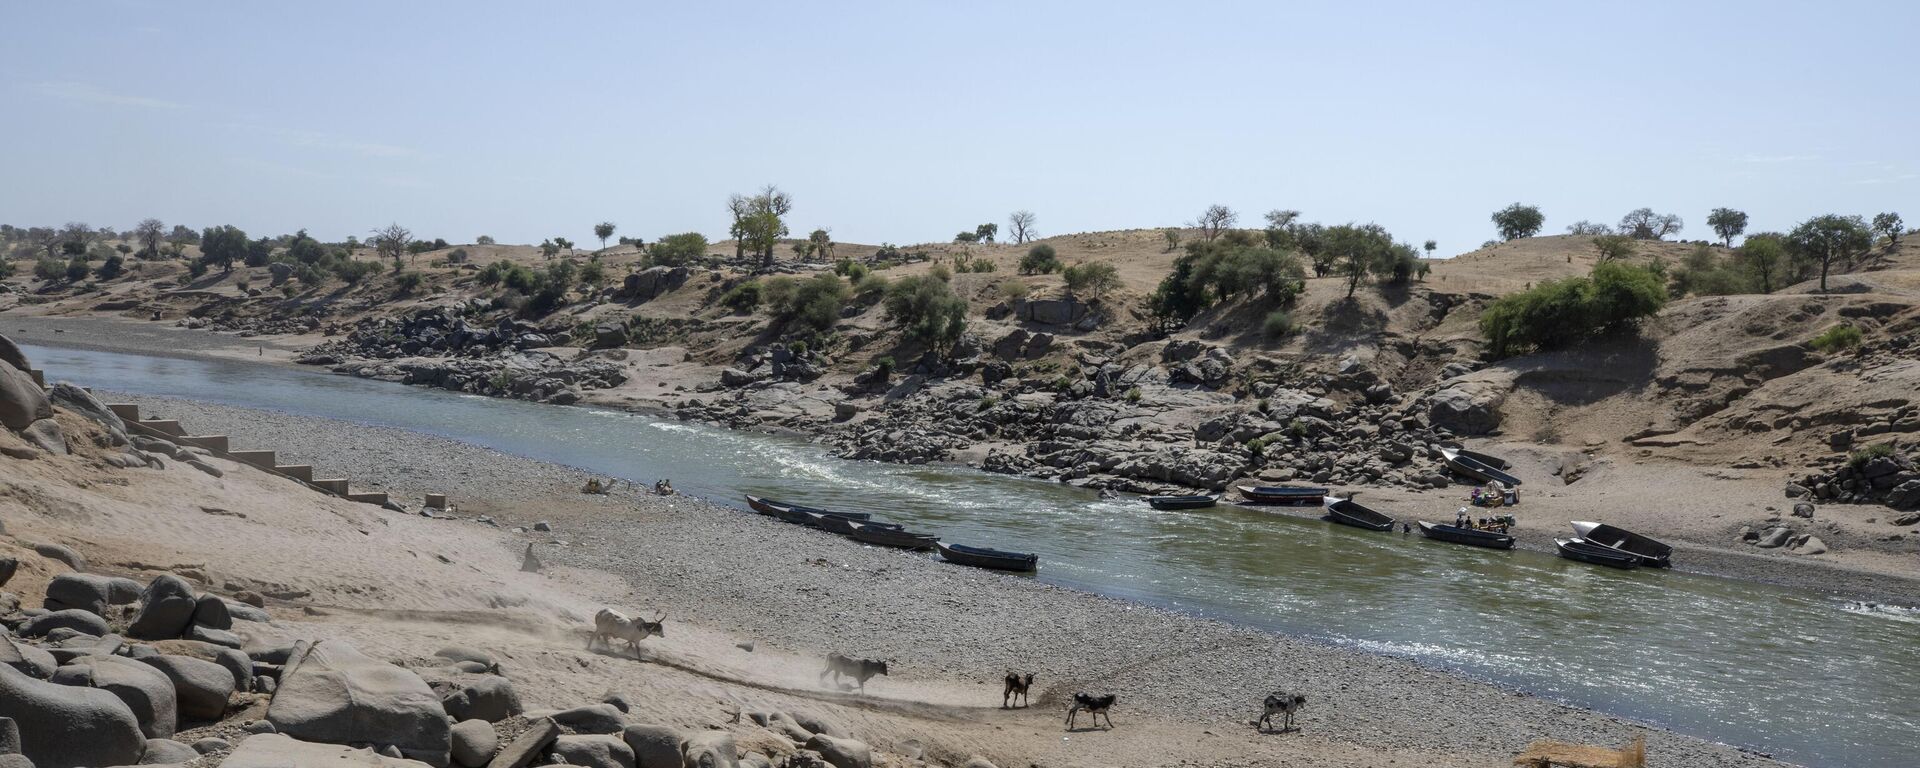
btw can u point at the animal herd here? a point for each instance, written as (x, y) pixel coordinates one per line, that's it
(610, 625)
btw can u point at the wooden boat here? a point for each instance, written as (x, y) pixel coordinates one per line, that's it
(885, 535)
(1484, 458)
(1588, 552)
(1350, 512)
(981, 557)
(1283, 494)
(835, 522)
(1647, 551)
(1476, 469)
(795, 513)
(1182, 502)
(1467, 536)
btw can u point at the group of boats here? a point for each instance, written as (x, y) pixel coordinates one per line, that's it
(861, 527)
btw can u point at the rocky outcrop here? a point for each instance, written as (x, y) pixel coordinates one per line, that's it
(273, 750)
(166, 609)
(1869, 476)
(333, 693)
(650, 283)
(1468, 406)
(68, 727)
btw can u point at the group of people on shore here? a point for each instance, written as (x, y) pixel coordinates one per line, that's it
(661, 487)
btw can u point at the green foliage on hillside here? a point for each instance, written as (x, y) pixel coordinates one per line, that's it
(927, 310)
(1560, 313)
(1225, 269)
(1839, 337)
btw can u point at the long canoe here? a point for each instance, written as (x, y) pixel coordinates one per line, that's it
(895, 536)
(1467, 536)
(1485, 458)
(1182, 502)
(1283, 494)
(1476, 469)
(1350, 512)
(796, 513)
(835, 522)
(981, 557)
(1648, 551)
(1588, 552)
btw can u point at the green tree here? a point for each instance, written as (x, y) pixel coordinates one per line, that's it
(986, 232)
(1358, 250)
(1613, 247)
(564, 243)
(759, 221)
(77, 269)
(1040, 260)
(1092, 279)
(678, 250)
(111, 268)
(1728, 224)
(814, 303)
(927, 310)
(603, 230)
(549, 249)
(1889, 226)
(1214, 220)
(1429, 246)
(820, 244)
(1172, 235)
(483, 240)
(1829, 238)
(1764, 256)
(259, 252)
(967, 236)
(304, 249)
(1518, 220)
(1558, 313)
(222, 246)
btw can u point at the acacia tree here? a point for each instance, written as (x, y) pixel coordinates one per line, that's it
(149, 232)
(1020, 226)
(391, 241)
(1429, 246)
(1644, 224)
(985, 232)
(564, 243)
(1765, 256)
(759, 223)
(1214, 220)
(548, 249)
(1727, 223)
(223, 245)
(1518, 220)
(1172, 234)
(1889, 224)
(1358, 250)
(1829, 238)
(603, 230)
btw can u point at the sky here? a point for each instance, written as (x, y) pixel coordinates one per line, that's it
(907, 121)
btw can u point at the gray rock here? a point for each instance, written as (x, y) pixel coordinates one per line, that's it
(593, 751)
(259, 726)
(478, 697)
(166, 609)
(977, 761)
(70, 618)
(1811, 546)
(8, 565)
(21, 401)
(219, 637)
(592, 718)
(244, 612)
(530, 743)
(620, 701)
(785, 725)
(202, 687)
(1803, 509)
(816, 724)
(708, 749)
(464, 653)
(543, 526)
(1467, 407)
(1773, 537)
(654, 746)
(275, 750)
(211, 611)
(9, 737)
(163, 751)
(10, 354)
(80, 401)
(27, 659)
(842, 753)
(333, 693)
(122, 590)
(148, 694)
(69, 727)
(62, 553)
(474, 743)
(83, 591)
(211, 744)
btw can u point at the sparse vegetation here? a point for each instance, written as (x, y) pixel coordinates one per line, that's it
(1589, 228)
(678, 250)
(1876, 451)
(1020, 226)
(759, 222)
(814, 303)
(1215, 220)
(1613, 247)
(407, 283)
(603, 230)
(111, 268)
(1218, 271)
(1014, 290)
(1557, 313)
(927, 310)
(1889, 226)
(391, 241)
(1277, 324)
(1644, 224)
(1839, 337)
(1172, 236)
(1705, 273)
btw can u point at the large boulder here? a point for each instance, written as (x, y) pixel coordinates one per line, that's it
(201, 687)
(707, 749)
(21, 401)
(11, 355)
(474, 743)
(62, 553)
(168, 752)
(234, 661)
(654, 746)
(1053, 311)
(84, 591)
(166, 609)
(594, 751)
(277, 750)
(842, 753)
(78, 620)
(592, 718)
(333, 693)
(649, 283)
(29, 660)
(1468, 406)
(68, 727)
(477, 697)
(145, 690)
(210, 611)
(529, 744)
(80, 401)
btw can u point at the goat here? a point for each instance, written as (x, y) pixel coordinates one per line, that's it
(1283, 704)
(858, 669)
(610, 625)
(1098, 705)
(1016, 688)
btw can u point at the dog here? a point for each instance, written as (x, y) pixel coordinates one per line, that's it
(1283, 704)
(1098, 705)
(1017, 686)
(859, 669)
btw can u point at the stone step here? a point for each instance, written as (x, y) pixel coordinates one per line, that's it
(126, 411)
(39, 377)
(368, 497)
(165, 427)
(261, 459)
(437, 500)
(300, 472)
(215, 443)
(334, 485)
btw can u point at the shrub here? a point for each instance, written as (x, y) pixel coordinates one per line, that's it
(884, 363)
(408, 282)
(814, 303)
(457, 256)
(743, 298)
(851, 269)
(1014, 290)
(927, 310)
(1842, 336)
(1040, 260)
(594, 273)
(77, 269)
(941, 272)
(1561, 312)
(51, 269)
(6, 268)
(113, 267)
(1094, 279)
(352, 272)
(678, 250)
(1133, 395)
(309, 275)
(195, 269)
(986, 401)
(1277, 324)
(1217, 271)
(869, 285)
(483, 240)
(1869, 453)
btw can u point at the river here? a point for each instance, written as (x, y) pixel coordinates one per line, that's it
(1803, 676)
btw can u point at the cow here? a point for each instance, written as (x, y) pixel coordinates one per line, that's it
(610, 625)
(1016, 688)
(1098, 705)
(1283, 704)
(858, 669)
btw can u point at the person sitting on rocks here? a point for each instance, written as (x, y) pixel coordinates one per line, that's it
(593, 486)
(663, 488)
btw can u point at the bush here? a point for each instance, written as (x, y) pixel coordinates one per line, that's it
(77, 269)
(51, 269)
(869, 285)
(1277, 324)
(6, 269)
(113, 267)
(408, 282)
(814, 303)
(457, 256)
(927, 310)
(594, 273)
(195, 269)
(1561, 312)
(1014, 290)
(941, 272)
(1040, 260)
(1842, 336)
(1869, 453)
(1217, 271)
(851, 269)
(1095, 279)
(309, 275)
(744, 298)
(352, 272)
(1133, 395)
(678, 250)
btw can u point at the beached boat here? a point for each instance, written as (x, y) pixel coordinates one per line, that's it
(1589, 552)
(885, 535)
(981, 557)
(1647, 551)
(835, 522)
(1485, 458)
(1476, 469)
(1467, 536)
(1350, 512)
(1283, 494)
(1182, 502)
(795, 513)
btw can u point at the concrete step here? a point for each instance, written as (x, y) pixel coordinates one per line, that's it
(126, 411)
(369, 497)
(301, 472)
(215, 443)
(334, 485)
(261, 459)
(39, 377)
(165, 427)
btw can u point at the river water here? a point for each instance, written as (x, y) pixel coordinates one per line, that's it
(1803, 676)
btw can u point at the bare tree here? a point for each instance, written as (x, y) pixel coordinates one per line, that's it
(1279, 219)
(1020, 225)
(391, 241)
(1644, 224)
(1215, 220)
(149, 232)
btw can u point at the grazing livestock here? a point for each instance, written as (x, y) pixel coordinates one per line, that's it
(610, 625)
(1283, 704)
(858, 669)
(1017, 686)
(1098, 705)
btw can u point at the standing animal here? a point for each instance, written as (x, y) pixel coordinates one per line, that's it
(858, 669)
(1017, 686)
(610, 625)
(1283, 704)
(1098, 705)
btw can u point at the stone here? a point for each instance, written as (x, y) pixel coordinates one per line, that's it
(479, 697)
(8, 565)
(9, 736)
(543, 526)
(1803, 509)
(842, 753)
(592, 718)
(164, 751)
(122, 591)
(530, 743)
(252, 598)
(62, 553)
(815, 724)
(784, 724)
(46, 435)
(646, 284)
(147, 692)
(75, 619)
(244, 612)
(211, 611)
(1773, 537)
(69, 727)
(84, 591)
(10, 354)
(1053, 311)
(215, 636)
(1011, 346)
(1467, 407)
(202, 687)
(258, 726)
(211, 744)
(734, 377)
(593, 751)
(474, 743)
(1811, 546)
(21, 401)
(28, 660)
(977, 761)
(654, 746)
(82, 402)
(464, 653)
(166, 609)
(333, 693)
(276, 750)
(620, 701)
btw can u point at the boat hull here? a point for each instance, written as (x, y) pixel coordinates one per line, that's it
(897, 538)
(1350, 512)
(1648, 552)
(1182, 502)
(1467, 536)
(1476, 469)
(1283, 495)
(1597, 554)
(988, 558)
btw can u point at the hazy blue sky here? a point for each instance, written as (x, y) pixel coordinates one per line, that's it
(907, 121)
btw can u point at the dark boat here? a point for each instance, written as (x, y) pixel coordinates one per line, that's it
(1467, 536)
(1182, 502)
(835, 522)
(1283, 494)
(795, 513)
(884, 535)
(1588, 552)
(1484, 458)
(1647, 551)
(981, 557)
(1476, 469)
(1350, 512)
